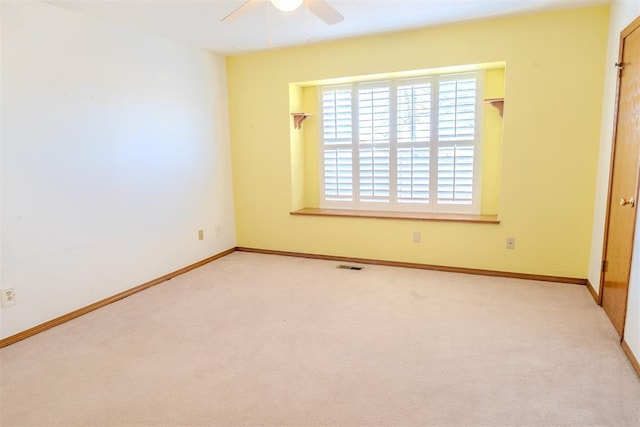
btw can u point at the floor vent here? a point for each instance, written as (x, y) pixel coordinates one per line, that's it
(350, 267)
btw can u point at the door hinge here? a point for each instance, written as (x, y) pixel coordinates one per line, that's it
(619, 65)
(604, 266)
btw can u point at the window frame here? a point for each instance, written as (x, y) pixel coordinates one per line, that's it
(432, 206)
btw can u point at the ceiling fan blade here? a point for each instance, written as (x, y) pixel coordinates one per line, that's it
(325, 11)
(240, 11)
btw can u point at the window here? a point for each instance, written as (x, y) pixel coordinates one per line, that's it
(403, 145)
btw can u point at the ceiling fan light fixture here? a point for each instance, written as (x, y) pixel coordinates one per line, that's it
(287, 5)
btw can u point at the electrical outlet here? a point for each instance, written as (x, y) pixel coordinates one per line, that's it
(217, 228)
(511, 242)
(416, 237)
(8, 296)
(200, 235)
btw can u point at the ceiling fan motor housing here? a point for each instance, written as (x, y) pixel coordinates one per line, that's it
(287, 5)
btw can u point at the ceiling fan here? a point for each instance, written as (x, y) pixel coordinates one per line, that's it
(320, 8)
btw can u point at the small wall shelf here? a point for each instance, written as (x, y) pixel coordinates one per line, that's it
(298, 118)
(498, 103)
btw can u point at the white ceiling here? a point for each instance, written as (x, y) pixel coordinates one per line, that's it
(197, 22)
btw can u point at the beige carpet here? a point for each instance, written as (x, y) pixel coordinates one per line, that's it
(266, 340)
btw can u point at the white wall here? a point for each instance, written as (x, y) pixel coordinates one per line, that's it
(632, 326)
(115, 152)
(623, 12)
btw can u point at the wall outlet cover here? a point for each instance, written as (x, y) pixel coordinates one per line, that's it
(8, 296)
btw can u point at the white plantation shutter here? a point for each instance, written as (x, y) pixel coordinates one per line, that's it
(457, 103)
(337, 174)
(455, 174)
(413, 175)
(374, 115)
(412, 141)
(456, 110)
(337, 134)
(402, 144)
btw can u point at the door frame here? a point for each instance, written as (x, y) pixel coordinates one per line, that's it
(634, 25)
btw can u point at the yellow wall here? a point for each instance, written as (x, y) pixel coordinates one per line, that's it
(312, 155)
(492, 143)
(297, 147)
(553, 91)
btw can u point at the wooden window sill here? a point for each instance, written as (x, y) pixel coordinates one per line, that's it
(416, 216)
